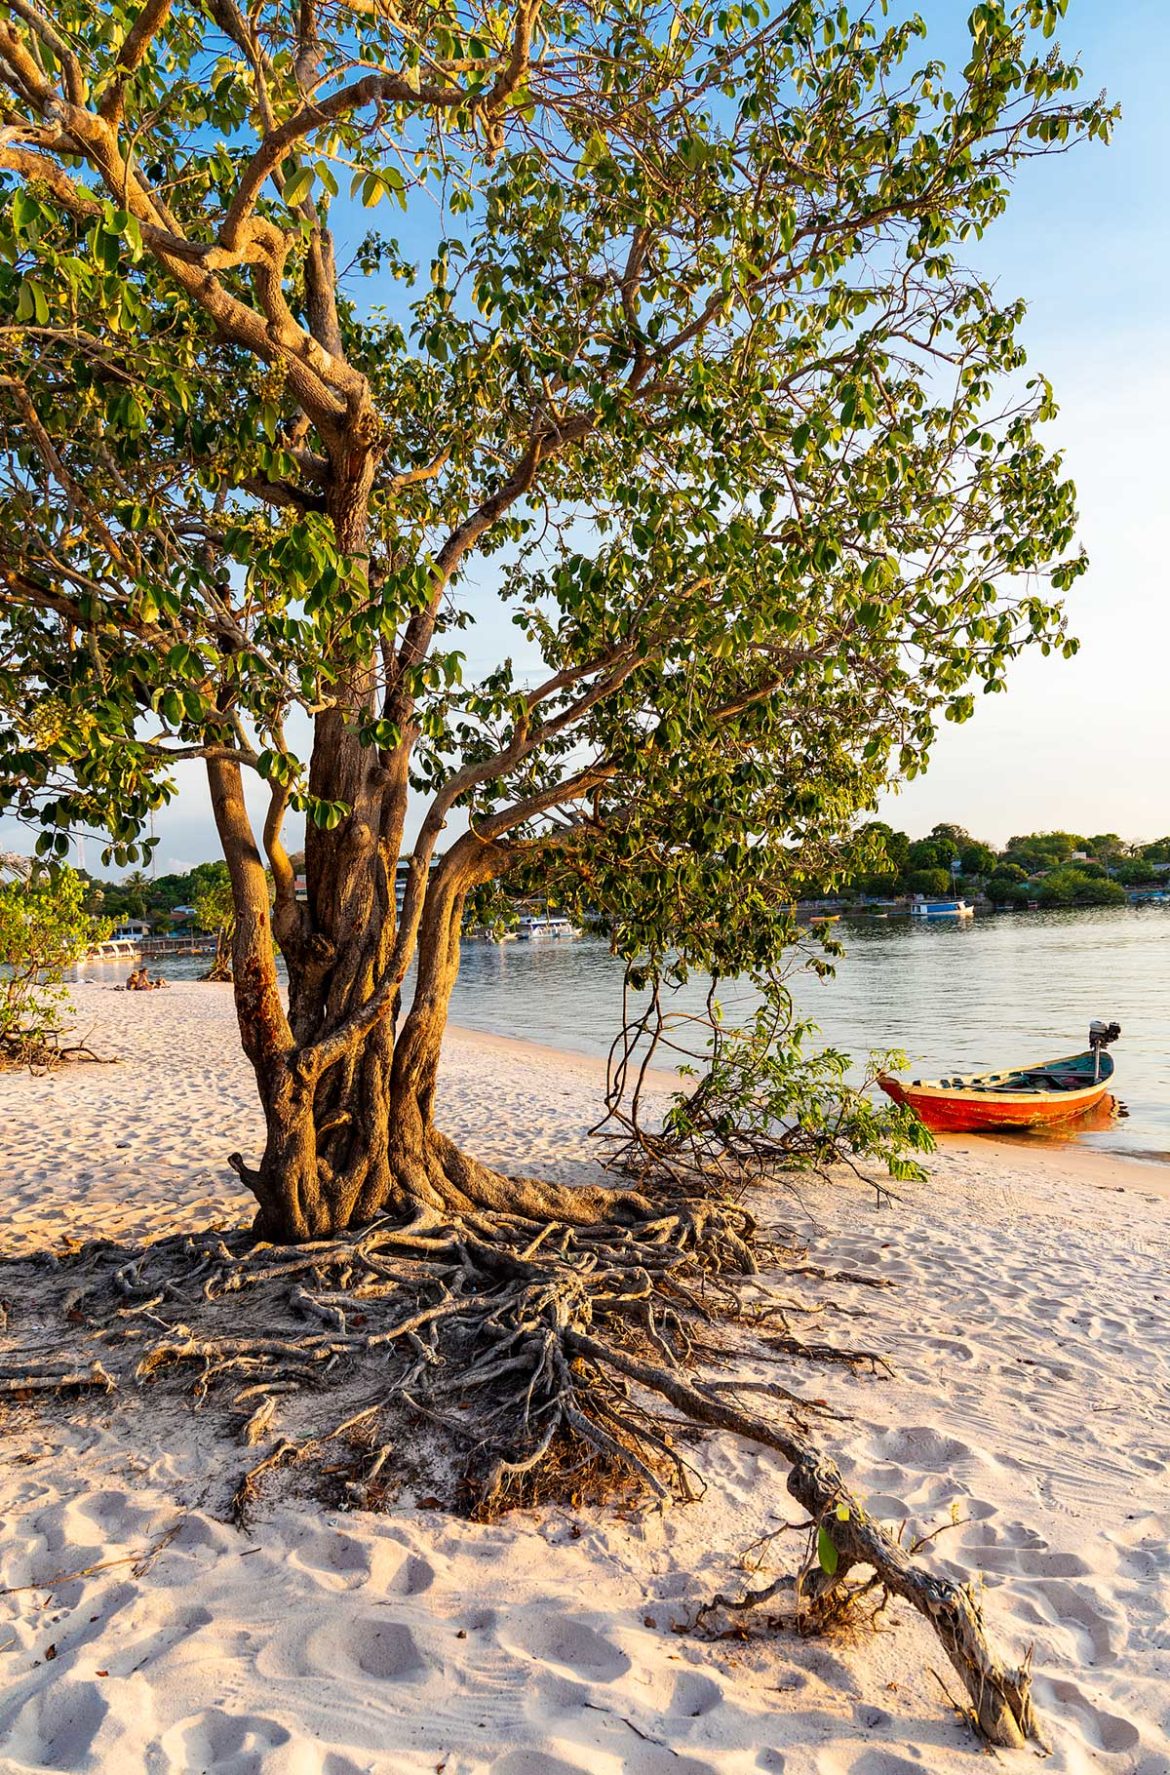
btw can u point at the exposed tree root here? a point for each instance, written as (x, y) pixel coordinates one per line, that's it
(42, 1050)
(557, 1357)
(63, 1379)
(1000, 1696)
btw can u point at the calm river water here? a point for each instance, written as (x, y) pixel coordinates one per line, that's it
(999, 989)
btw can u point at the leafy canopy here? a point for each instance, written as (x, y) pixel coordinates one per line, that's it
(688, 377)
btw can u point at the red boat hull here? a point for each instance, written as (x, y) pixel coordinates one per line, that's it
(972, 1112)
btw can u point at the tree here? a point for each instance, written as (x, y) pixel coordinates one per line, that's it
(1135, 872)
(931, 853)
(44, 930)
(215, 913)
(977, 859)
(1007, 887)
(695, 367)
(934, 883)
(135, 889)
(1107, 847)
(1074, 887)
(881, 858)
(1042, 850)
(955, 837)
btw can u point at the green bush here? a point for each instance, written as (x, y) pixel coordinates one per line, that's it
(1007, 890)
(44, 930)
(934, 883)
(1136, 873)
(1073, 887)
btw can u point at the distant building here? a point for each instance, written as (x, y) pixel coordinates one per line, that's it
(131, 930)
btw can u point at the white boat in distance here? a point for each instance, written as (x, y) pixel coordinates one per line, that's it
(533, 928)
(115, 949)
(941, 909)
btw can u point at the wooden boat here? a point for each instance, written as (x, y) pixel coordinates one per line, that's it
(1049, 1095)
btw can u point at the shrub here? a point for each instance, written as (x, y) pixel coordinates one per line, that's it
(1072, 887)
(934, 883)
(1006, 890)
(44, 929)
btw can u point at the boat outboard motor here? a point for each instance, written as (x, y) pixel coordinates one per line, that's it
(1100, 1036)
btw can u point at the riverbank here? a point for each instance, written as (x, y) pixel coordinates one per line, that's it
(1029, 1337)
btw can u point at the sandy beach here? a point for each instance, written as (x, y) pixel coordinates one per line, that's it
(1029, 1335)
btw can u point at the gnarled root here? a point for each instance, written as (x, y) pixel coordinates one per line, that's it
(1000, 1697)
(546, 1348)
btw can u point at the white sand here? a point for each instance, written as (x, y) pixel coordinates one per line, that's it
(1029, 1332)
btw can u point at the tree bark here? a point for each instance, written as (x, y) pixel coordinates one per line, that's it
(347, 1084)
(350, 1119)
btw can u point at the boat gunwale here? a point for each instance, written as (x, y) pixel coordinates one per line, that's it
(970, 1086)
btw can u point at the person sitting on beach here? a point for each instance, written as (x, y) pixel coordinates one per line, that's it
(140, 981)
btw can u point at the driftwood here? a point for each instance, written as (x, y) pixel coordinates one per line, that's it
(561, 1359)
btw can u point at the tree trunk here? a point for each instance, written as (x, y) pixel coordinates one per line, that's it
(348, 1093)
(354, 1138)
(220, 971)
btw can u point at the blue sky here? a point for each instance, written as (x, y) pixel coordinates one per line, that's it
(1082, 744)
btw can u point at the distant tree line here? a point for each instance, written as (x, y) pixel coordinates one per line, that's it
(157, 899)
(1051, 868)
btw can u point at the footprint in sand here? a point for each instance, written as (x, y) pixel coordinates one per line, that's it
(571, 1645)
(1102, 1730)
(694, 1695)
(1075, 1608)
(223, 1742)
(203, 1534)
(56, 1726)
(552, 1694)
(330, 1555)
(413, 1576)
(384, 1650)
(922, 1447)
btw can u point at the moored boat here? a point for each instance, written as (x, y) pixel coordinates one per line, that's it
(545, 925)
(1047, 1095)
(115, 949)
(941, 909)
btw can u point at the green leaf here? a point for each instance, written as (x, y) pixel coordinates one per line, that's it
(827, 1555)
(297, 186)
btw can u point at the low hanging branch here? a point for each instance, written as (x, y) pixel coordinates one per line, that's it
(762, 1102)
